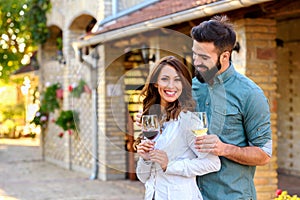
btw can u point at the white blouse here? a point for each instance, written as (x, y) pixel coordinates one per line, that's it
(185, 163)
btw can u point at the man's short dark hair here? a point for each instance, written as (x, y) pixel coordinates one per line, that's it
(218, 30)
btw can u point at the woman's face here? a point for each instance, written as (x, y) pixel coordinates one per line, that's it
(169, 85)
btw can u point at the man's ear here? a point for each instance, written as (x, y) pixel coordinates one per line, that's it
(225, 56)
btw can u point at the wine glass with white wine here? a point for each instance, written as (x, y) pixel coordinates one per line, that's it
(201, 127)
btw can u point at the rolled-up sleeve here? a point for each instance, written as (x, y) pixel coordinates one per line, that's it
(257, 122)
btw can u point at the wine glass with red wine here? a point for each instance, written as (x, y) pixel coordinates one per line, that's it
(150, 126)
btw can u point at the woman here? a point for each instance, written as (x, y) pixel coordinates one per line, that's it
(168, 167)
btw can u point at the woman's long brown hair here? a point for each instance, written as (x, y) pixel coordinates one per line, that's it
(151, 101)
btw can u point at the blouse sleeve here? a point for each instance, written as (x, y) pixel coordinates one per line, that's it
(203, 163)
(143, 169)
(194, 167)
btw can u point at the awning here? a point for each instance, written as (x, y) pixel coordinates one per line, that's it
(167, 20)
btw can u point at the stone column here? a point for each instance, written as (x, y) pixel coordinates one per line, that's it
(257, 59)
(111, 114)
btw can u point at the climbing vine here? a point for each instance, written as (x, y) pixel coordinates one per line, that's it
(37, 20)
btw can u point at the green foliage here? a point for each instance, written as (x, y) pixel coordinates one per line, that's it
(79, 89)
(40, 119)
(66, 120)
(37, 20)
(22, 27)
(49, 101)
(59, 43)
(12, 112)
(9, 124)
(13, 32)
(10, 117)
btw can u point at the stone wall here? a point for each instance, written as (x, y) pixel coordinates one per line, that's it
(71, 18)
(289, 98)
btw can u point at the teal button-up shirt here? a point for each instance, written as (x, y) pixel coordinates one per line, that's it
(238, 112)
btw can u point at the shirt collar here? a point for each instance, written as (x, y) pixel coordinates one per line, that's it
(221, 78)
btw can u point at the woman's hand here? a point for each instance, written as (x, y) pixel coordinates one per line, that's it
(144, 148)
(160, 157)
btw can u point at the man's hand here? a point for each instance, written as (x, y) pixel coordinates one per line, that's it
(248, 155)
(210, 144)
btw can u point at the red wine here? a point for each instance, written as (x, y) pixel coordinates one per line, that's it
(150, 134)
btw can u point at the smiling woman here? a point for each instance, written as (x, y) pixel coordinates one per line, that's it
(168, 77)
(172, 158)
(169, 85)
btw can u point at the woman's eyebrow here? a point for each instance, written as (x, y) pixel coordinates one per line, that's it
(164, 75)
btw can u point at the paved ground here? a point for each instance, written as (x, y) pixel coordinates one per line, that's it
(289, 183)
(24, 176)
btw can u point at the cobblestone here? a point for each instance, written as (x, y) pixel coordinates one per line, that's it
(25, 176)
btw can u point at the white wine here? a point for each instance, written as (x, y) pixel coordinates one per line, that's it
(200, 132)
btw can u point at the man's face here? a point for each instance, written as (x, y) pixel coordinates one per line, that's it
(206, 61)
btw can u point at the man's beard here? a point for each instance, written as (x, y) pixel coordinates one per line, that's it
(207, 75)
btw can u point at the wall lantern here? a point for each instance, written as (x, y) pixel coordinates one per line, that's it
(146, 54)
(60, 57)
(237, 47)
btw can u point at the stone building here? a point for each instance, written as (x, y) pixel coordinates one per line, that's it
(112, 44)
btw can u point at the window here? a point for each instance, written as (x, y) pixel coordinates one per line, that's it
(125, 7)
(122, 5)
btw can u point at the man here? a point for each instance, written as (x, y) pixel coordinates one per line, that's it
(238, 112)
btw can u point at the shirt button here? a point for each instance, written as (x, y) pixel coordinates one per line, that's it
(207, 103)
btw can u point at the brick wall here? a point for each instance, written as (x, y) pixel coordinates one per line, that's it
(289, 98)
(112, 114)
(260, 66)
(69, 151)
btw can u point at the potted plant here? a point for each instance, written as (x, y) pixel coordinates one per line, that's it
(50, 101)
(66, 121)
(40, 119)
(79, 88)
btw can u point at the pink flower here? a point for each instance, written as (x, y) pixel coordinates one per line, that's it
(43, 118)
(60, 93)
(70, 132)
(87, 89)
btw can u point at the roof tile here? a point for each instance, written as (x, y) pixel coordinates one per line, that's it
(155, 10)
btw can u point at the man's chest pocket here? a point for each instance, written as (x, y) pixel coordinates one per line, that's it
(226, 121)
